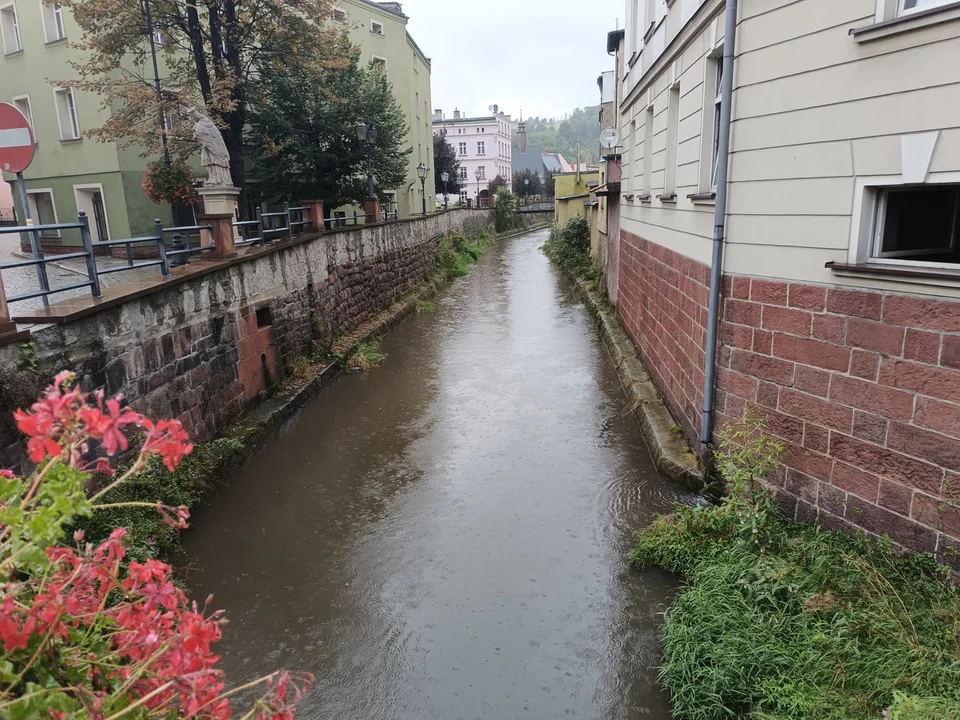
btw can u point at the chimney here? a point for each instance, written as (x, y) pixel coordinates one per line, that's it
(437, 115)
(456, 114)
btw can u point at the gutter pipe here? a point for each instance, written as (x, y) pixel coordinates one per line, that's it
(719, 221)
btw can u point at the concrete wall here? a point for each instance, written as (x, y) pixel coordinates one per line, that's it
(206, 347)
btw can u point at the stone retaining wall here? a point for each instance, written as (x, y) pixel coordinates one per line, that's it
(207, 346)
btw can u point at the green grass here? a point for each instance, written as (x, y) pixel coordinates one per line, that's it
(568, 247)
(367, 356)
(783, 621)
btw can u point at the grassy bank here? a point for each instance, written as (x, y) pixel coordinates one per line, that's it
(783, 621)
(211, 462)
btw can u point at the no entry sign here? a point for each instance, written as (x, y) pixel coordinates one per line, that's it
(16, 139)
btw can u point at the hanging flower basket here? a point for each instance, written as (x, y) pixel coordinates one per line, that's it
(170, 183)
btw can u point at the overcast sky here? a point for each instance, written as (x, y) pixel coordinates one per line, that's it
(541, 56)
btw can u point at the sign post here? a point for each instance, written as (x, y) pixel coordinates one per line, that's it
(16, 154)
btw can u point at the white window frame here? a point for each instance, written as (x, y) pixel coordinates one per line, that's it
(106, 216)
(35, 215)
(71, 100)
(377, 59)
(374, 24)
(463, 173)
(16, 30)
(673, 140)
(926, 5)
(462, 150)
(483, 172)
(892, 9)
(28, 114)
(481, 148)
(159, 38)
(710, 120)
(338, 15)
(648, 120)
(866, 206)
(52, 14)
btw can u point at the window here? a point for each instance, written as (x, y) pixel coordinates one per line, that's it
(339, 15)
(376, 28)
(67, 114)
(648, 152)
(418, 105)
(481, 148)
(463, 196)
(673, 132)
(380, 63)
(483, 172)
(909, 6)
(463, 173)
(22, 103)
(43, 211)
(712, 106)
(169, 120)
(10, 29)
(52, 21)
(918, 224)
(158, 37)
(463, 148)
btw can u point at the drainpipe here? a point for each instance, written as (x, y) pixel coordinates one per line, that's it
(719, 220)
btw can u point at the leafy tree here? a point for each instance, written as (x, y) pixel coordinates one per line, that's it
(494, 186)
(504, 209)
(582, 126)
(533, 186)
(445, 161)
(211, 54)
(549, 185)
(305, 129)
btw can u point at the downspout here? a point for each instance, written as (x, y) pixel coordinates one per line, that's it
(719, 220)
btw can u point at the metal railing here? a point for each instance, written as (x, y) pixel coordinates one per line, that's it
(256, 232)
(87, 253)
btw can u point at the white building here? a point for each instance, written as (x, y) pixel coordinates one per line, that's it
(483, 146)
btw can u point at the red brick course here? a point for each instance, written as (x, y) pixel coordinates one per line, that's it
(862, 386)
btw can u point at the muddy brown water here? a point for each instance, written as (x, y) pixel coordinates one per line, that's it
(446, 536)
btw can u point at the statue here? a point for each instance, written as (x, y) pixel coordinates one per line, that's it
(213, 151)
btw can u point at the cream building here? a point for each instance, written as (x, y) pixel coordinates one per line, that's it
(841, 248)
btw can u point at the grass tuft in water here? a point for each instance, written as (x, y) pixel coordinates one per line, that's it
(367, 356)
(784, 621)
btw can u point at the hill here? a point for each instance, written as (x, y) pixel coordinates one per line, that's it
(581, 126)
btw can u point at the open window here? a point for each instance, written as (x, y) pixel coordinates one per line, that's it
(917, 224)
(53, 28)
(10, 29)
(22, 103)
(376, 28)
(67, 114)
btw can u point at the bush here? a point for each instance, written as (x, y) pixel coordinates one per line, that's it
(568, 247)
(84, 630)
(504, 210)
(783, 621)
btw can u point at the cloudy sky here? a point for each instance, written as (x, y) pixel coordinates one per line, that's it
(541, 56)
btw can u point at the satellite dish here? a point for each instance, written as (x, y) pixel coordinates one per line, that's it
(609, 138)
(494, 109)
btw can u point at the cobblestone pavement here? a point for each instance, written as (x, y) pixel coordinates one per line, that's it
(60, 273)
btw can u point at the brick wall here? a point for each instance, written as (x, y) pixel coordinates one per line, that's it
(863, 388)
(205, 347)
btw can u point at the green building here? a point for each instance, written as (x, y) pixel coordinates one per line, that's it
(72, 172)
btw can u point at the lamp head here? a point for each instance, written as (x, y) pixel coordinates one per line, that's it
(362, 131)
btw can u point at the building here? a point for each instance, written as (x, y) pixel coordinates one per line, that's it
(483, 147)
(71, 172)
(379, 29)
(839, 316)
(574, 194)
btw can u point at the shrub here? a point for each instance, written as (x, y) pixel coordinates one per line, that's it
(568, 247)
(783, 621)
(504, 210)
(85, 630)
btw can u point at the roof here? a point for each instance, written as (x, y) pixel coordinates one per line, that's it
(531, 160)
(453, 121)
(613, 40)
(556, 163)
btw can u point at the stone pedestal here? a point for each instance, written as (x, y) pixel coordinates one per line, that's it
(315, 215)
(222, 237)
(371, 209)
(220, 200)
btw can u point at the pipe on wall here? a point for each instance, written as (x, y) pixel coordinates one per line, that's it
(719, 222)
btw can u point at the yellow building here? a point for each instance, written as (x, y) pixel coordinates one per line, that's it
(572, 191)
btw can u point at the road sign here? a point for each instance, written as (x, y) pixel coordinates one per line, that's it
(609, 138)
(16, 139)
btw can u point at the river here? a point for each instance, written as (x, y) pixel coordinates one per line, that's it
(446, 536)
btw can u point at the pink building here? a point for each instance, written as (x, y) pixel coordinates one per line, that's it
(483, 146)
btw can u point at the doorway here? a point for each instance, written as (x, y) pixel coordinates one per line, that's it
(90, 201)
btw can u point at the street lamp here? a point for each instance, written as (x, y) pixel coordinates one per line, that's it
(526, 191)
(422, 171)
(368, 135)
(477, 176)
(444, 176)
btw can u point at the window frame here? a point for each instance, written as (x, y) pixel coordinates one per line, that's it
(648, 120)
(55, 11)
(28, 114)
(375, 23)
(379, 60)
(16, 29)
(86, 187)
(481, 148)
(462, 150)
(864, 235)
(74, 117)
(710, 131)
(902, 11)
(35, 213)
(338, 15)
(671, 151)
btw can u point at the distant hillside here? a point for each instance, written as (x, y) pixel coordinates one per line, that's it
(562, 136)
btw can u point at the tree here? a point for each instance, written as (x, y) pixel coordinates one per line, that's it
(581, 127)
(532, 186)
(210, 52)
(494, 186)
(305, 130)
(549, 185)
(445, 161)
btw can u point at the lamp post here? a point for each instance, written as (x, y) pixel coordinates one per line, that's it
(444, 176)
(368, 135)
(476, 174)
(526, 191)
(422, 171)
